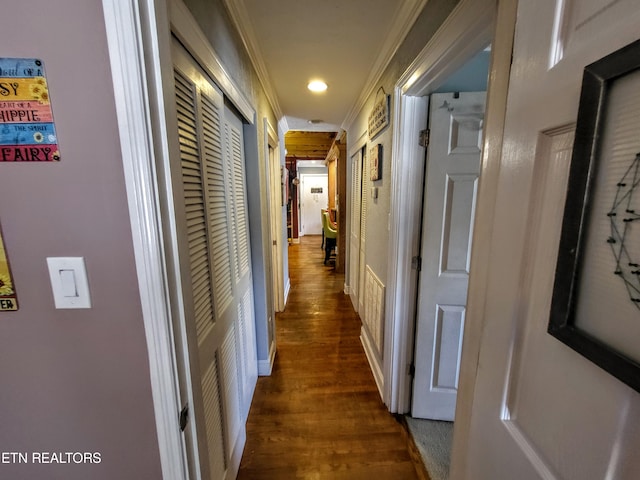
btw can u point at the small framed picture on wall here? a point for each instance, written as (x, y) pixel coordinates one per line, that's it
(375, 157)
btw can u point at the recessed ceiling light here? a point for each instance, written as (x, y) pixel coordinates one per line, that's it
(314, 121)
(317, 86)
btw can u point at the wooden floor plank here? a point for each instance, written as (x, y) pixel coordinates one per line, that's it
(319, 414)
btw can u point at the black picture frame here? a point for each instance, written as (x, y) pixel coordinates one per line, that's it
(596, 82)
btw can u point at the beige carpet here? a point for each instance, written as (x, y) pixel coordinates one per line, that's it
(433, 439)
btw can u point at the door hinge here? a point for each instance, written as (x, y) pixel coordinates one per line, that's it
(416, 263)
(275, 242)
(184, 417)
(423, 139)
(412, 370)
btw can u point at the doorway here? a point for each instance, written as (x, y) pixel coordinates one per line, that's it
(276, 205)
(313, 198)
(469, 29)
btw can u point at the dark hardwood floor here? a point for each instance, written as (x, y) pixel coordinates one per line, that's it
(319, 415)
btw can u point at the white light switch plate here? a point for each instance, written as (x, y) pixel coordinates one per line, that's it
(69, 282)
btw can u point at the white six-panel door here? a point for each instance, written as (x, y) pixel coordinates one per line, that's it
(541, 410)
(453, 167)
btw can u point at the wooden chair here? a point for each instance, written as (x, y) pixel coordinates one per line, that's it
(330, 236)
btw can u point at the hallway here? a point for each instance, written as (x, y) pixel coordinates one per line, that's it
(319, 414)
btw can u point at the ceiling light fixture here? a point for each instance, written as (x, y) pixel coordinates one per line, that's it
(317, 86)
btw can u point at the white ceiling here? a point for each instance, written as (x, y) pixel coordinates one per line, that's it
(345, 43)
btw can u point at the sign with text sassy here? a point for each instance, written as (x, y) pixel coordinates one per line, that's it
(8, 299)
(27, 132)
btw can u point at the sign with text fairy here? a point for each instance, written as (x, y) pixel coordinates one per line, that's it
(27, 132)
(379, 116)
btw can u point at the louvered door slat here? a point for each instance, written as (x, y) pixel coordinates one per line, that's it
(193, 191)
(212, 402)
(217, 205)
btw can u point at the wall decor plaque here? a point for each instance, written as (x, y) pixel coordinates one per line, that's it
(379, 116)
(27, 131)
(8, 297)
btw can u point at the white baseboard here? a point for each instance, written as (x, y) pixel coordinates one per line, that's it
(266, 366)
(347, 289)
(376, 368)
(287, 289)
(295, 240)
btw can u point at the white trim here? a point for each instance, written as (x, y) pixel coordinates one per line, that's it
(287, 288)
(126, 53)
(401, 23)
(283, 125)
(266, 366)
(466, 29)
(358, 144)
(240, 17)
(374, 363)
(534, 456)
(272, 135)
(187, 30)
(410, 116)
(275, 214)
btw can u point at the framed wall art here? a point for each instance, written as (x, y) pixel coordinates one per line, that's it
(375, 165)
(595, 307)
(8, 297)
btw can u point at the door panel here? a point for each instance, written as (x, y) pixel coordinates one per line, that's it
(354, 239)
(459, 209)
(446, 357)
(364, 208)
(549, 412)
(218, 295)
(453, 167)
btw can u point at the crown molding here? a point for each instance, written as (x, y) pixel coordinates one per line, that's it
(238, 12)
(401, 24)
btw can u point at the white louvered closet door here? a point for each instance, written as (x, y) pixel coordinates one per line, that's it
(218, 297)
(364, 204)
(354, 248)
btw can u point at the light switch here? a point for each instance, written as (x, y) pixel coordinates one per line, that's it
(69, 282)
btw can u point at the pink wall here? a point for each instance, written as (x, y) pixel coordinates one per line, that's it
(72, 380)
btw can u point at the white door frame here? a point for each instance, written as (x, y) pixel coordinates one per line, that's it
(472, 25)
(138, 38)
(133, 105)
(274, 186)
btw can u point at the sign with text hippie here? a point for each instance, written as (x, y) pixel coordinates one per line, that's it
(27, 132)
(8, 298)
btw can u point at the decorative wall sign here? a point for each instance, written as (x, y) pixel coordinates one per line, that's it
(27, 132)
(316, 189)
(379, 116)
(596, 294)
(375, 167)
(8, 298)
